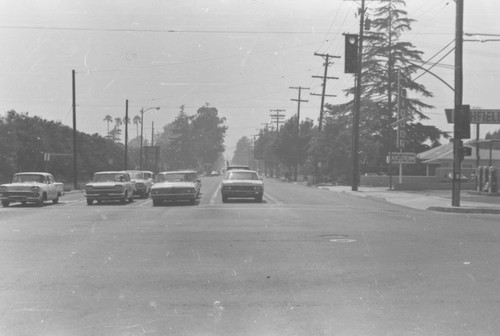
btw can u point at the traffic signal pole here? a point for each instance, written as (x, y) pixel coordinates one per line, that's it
(457, 141)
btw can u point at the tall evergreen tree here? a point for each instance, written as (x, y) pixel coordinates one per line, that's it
(388, 65)
(180, 150)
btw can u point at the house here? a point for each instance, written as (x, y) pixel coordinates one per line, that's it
(439, 160)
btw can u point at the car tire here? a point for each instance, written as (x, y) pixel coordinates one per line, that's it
(156, 202)
(56, 200)
(224, 199)
(5, 203)
(90, 201)
(40, 202)
(258, 199)
(124, 198)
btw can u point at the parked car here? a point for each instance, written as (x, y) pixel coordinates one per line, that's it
(449, 177)
(109, 186)
(242, 183)
(31, 187)
(143, 181)
(176, 186)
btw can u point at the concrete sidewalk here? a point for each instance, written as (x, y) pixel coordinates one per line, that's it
(427, 200)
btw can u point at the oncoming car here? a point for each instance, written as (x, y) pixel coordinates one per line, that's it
(109, 186)
(242, 183)
(176, 186)
(143, 181)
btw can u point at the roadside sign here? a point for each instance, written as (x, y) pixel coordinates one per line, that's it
(477, 116)
(402, 158)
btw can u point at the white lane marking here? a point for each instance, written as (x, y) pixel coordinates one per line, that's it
(147, 202)
(214, 196)
(274, 200)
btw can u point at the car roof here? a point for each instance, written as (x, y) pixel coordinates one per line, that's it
(112, 172)
(31, 173)
(237, 166)
(178, 172)
(242, 171)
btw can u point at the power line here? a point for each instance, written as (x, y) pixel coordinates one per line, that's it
(170, 31)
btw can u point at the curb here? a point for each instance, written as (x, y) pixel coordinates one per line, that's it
(464, 210)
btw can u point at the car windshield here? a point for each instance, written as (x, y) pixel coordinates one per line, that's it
(138, 176)
(176, 177)
(23, 178)
(109, 177)
(242, 176)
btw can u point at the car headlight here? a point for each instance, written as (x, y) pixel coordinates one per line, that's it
(257, 188)
(118, 188)
(154, 191)
(139, 185)
(89, 187)
(35, 189)
(227, 188)
(3, 189)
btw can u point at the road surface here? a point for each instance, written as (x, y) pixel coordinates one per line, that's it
(304, 261)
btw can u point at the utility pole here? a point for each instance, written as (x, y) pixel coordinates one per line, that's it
(324, 77)
(126, 134)
(457, 141)
(75, 170)
(357, 105)
(297, 131)
(277, 118)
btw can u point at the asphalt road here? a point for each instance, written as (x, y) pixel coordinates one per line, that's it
(305, 261)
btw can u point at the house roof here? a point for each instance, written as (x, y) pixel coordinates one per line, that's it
(445, 153)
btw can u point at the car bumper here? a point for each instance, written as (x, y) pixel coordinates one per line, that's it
(20, 198)
(104, 196)
(174, 197)
(242, 193)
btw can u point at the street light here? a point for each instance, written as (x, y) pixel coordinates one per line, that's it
(142, 129)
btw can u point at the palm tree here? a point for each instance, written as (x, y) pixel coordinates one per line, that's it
(108, 119)
(137, 121)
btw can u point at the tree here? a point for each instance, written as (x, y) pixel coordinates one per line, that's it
(387, 68)
(29, 138)
(180, 148)
(292, 144)
(137, 122)
(243, 154)
(208, 131)
(108, 119)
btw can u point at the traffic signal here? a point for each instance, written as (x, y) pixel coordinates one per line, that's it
(462, 122)
(351, 53)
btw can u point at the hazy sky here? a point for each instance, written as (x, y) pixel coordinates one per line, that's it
(240, 56)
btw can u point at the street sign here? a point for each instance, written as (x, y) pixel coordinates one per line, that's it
(477, 116)
(402, 158)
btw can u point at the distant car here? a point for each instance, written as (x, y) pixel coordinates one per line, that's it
(236, 166)
(183, 185)
(31, 187)
(109, 186)
(449, 177)
(215, 173)
(143, 181)
(242, 183)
